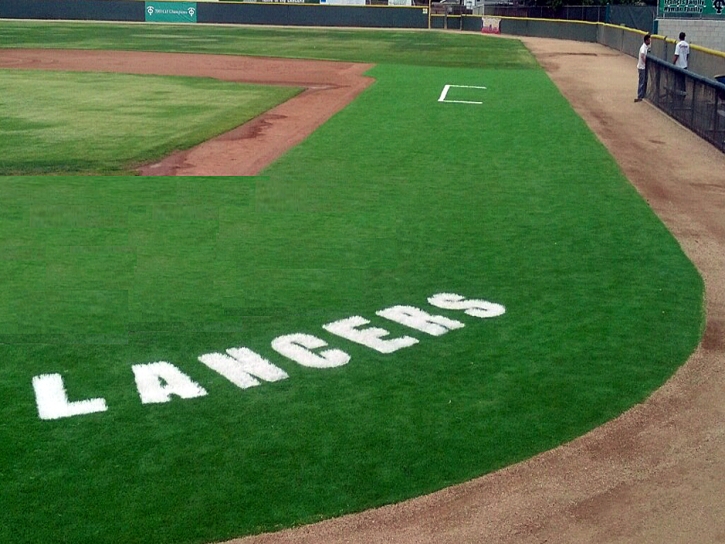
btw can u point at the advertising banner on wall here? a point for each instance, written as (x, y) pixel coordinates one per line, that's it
(170, 12)
(490, 25)
(673, 8)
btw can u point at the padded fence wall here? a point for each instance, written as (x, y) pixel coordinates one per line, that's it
(312, 15)
(77, 10)
(544, 28)
(224, 12)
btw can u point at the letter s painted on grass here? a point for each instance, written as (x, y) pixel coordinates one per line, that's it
(474, 307)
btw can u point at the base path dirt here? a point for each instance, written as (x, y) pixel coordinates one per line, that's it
(244, 151)
(654, 475)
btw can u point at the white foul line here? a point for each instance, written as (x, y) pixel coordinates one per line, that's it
(442, 97)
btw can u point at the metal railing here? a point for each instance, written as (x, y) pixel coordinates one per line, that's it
(695, 101)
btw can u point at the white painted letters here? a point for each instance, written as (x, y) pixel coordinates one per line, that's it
(476, 308)
(241, 365)
(435, 325)
(156, 382)
(297, 347)
(371, 337)
(53, 403)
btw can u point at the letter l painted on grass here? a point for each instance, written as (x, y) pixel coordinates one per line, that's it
(52, 399)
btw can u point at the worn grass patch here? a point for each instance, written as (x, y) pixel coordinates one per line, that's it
(63, 122)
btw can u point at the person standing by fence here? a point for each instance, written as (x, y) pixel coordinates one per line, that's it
(682, 55)
(642, 68)
(682, 52)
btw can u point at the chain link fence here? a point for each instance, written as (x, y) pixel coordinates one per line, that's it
(696, 102)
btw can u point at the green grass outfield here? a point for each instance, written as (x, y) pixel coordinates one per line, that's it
(397, 198)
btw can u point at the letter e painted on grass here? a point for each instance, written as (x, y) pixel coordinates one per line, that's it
(241, 365)
(435, 325)
(476, 308)
(298, 348)
(52, 399)
(371, 337)
(156, 382)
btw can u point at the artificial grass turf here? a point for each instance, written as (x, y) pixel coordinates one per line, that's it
(396, 198)
(63, 122)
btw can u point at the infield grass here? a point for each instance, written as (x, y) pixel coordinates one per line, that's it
(63, 122)
(396, 198)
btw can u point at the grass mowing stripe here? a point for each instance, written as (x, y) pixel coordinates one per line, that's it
(520, 187)
(55, 122)
(405, 47)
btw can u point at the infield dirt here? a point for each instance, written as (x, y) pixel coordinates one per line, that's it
(656, 474)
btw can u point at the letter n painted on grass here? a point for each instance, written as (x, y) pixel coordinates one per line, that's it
(242, 366)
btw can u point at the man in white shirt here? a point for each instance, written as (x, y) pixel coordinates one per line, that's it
(642, 68)
(682, 52)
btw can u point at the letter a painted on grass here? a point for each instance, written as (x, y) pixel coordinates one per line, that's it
(156, 382)
(53, 403)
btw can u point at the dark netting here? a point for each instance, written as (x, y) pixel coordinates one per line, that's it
(695, 101)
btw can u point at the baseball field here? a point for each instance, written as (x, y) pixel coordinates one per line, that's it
(448, 276)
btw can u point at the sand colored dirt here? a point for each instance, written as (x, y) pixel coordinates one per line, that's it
(654, 475)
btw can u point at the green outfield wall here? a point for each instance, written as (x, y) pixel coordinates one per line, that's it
(550, 28)
(106, 10)
(264, 13)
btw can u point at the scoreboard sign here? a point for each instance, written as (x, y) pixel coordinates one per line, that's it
(692, 7)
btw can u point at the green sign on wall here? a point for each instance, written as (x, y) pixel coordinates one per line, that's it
(171, 12)
(692, 7)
